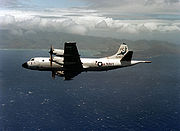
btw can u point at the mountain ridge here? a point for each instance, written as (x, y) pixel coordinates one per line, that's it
(105, 46)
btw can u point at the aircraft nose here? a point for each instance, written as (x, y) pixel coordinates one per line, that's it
(25, 65)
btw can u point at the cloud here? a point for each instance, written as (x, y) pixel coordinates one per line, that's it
(12, 3)
(83, 22)
(120, 3)
(8, 2)
(135, 7)
(40, 21)
(7, 20)
(162, 2)
(101, 24)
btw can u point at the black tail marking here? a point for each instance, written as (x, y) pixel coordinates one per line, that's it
(127, 56)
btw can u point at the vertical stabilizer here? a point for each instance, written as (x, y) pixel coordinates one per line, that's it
(123, 50)
(128, 56)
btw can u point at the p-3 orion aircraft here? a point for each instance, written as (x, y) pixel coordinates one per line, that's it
(68, 64)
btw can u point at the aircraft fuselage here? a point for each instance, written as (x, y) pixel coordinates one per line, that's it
(89, 64)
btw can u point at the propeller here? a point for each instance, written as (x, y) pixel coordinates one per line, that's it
(51, 60)
(51, 57)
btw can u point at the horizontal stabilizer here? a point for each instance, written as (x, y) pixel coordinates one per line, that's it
(147, 62)
(128, 56)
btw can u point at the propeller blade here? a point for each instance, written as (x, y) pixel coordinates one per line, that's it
(51, 53)
(51, 60)
(53, 74)
(51, 50)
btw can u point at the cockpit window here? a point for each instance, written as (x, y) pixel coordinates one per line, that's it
(32, 59)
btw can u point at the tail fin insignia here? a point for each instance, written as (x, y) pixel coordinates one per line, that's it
(123, 49)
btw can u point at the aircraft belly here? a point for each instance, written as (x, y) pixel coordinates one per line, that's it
(105, 68)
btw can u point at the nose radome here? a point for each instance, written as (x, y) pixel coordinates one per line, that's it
(25, 65)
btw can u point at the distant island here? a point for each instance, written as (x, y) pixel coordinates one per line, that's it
(105, 46)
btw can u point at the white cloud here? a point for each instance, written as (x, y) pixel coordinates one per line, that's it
(82, 22)
(6, 20)
(102, 25)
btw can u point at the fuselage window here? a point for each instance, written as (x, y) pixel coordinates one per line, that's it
(42, 60)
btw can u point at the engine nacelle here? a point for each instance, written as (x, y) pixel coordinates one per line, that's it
(58, 60)
(58, 52)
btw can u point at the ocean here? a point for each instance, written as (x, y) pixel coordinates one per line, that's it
(142, 97)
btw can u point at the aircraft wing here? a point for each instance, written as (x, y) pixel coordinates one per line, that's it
(72, 63)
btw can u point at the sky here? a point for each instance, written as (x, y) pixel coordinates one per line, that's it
(123, 19)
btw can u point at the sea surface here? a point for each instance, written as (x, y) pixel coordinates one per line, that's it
(144, 97)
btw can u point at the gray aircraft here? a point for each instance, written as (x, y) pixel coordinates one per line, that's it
(68, 64)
